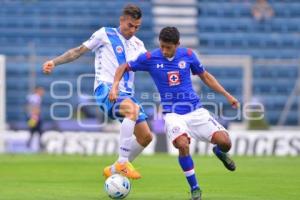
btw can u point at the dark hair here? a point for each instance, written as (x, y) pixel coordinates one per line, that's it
(132, 11)
(169, 35)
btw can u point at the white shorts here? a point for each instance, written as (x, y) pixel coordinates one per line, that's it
(198, 124)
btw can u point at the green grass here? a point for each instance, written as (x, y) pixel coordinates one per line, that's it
(44, 177)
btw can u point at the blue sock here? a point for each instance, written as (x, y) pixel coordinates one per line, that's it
(218, 151)
(187, 165)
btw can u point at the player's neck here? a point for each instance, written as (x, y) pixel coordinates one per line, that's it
(171, 58)
(120, 32)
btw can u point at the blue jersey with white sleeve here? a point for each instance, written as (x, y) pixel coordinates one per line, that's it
(172, 78)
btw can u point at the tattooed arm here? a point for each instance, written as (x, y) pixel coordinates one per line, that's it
(67, 57)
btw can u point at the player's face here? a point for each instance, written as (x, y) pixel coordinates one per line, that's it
(129, 26)
(168, 49)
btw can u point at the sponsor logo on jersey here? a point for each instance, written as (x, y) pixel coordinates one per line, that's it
(173, 78)
(119, 49)
(182, 64)
(159, 66)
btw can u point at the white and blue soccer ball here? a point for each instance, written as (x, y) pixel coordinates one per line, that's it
(117, 186)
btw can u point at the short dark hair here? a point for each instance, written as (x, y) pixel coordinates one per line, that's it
(169, 35)
(133, 11)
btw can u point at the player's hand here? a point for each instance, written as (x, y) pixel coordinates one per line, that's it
(113, 94)
(48, 66)
(233, 101)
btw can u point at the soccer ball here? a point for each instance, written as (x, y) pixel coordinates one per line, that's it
(117, 186)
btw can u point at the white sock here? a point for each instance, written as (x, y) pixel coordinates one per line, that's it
(126, 132)
(135, 149)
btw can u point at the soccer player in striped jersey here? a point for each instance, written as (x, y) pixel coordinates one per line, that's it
(113, 47)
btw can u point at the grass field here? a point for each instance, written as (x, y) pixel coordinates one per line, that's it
(44, 177)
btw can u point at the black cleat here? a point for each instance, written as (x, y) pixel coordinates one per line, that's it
(196, 194)
(226, 160)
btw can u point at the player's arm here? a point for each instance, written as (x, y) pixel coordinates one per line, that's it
(208, 79)
(113, 94)
(67, 57)
(140, 64)
(212, 82)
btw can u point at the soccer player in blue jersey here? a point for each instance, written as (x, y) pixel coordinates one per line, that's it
(170, 67)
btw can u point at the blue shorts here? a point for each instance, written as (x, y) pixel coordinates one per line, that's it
(112, 108)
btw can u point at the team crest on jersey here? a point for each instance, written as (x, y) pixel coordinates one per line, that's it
(182, 64)
(173, 78)
(119, 49)
(176, 130)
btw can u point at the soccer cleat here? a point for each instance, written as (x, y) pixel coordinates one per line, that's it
(227, 161)
(196, 194)
(127, 169)
(107, 172)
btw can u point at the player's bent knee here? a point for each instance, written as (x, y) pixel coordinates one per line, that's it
(148, 138)
(182, 142)
(222, 139)
(132, 110)
(225, 146)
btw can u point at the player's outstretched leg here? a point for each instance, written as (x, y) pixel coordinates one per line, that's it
(138, 142)
(141, 140)
(223, 145)
(122, 165)
(130, 111)
(187, 165)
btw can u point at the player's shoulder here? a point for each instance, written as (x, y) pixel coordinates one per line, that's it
(108, 30)
(138, 42)
(99, 33)
(153, 54)
(186, 51)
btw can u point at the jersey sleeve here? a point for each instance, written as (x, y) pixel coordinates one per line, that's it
(139, 64)
(196, 65)
(96, 40)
